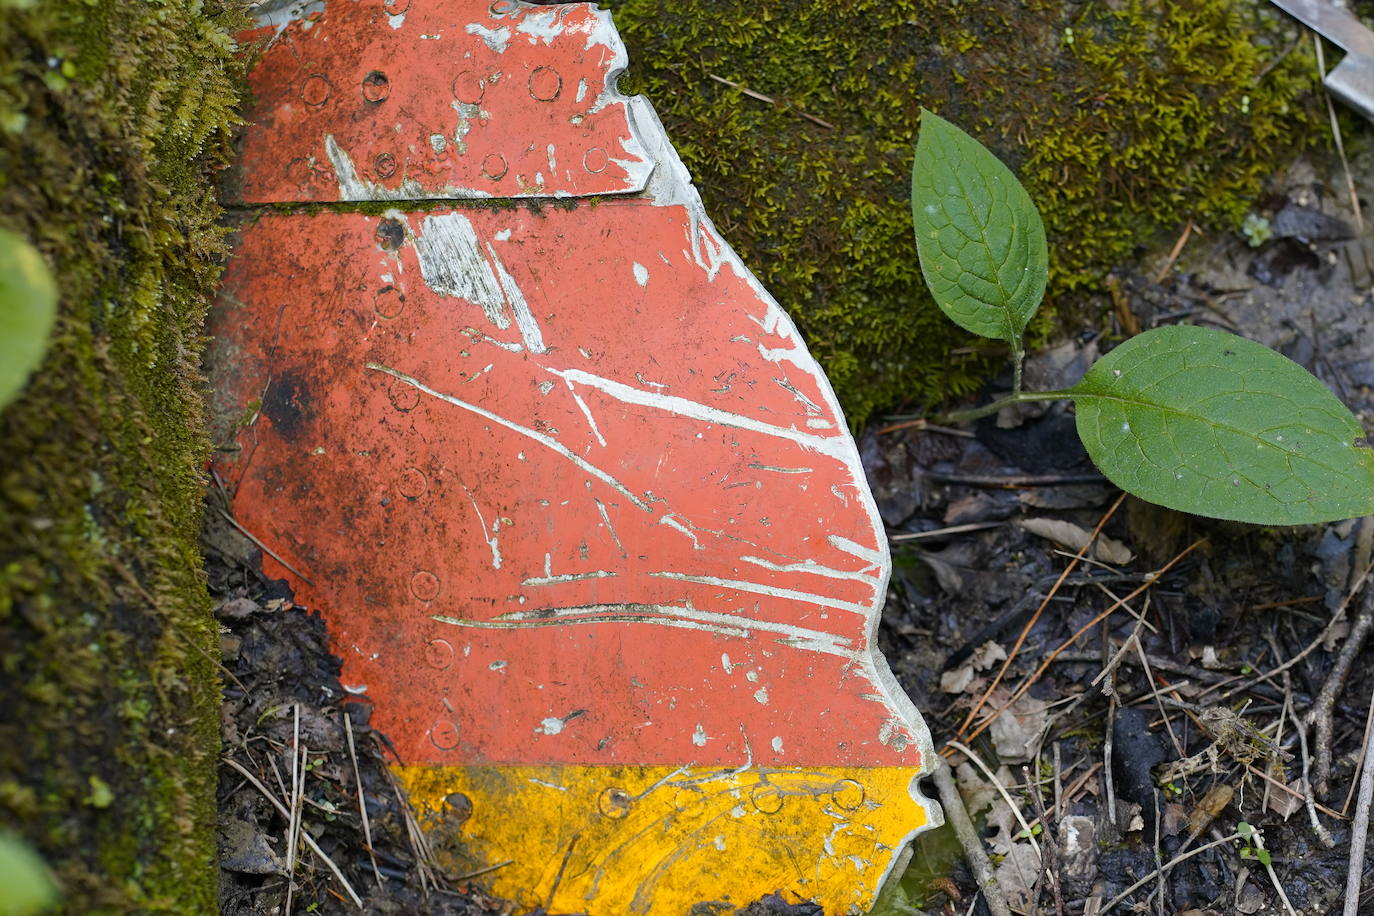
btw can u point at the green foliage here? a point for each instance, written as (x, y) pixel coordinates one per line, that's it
(28, 305)
(1190, 418)
(1138, 125)
(1211, 423)
(982, 244)
(1249, 835)
(28, 888)
(113, 118)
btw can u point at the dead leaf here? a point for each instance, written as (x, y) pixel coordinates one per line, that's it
(1073, 537)
(956, 680)
(1175, 819)
(987, 655)
(1017, 728)
(1017, 874)
(1285, 805)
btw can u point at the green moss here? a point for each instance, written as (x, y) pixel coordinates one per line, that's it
(1123, 120)
(112, 118)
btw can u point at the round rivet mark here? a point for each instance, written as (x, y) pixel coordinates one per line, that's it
(595, 159)
(545, 84)
(686, 798)
(457, 806)
(403, 397)
(376, 87)
(396, 7)
(494, 166)
(614, 803)
(439, 653)
(468, 87)
(384, 166)
(766, 798)
(443, 734)
(847, 794)
(502, 7)
(391, 234)
(298, 171)
(413, 483)
(424, 585)
(316, 90)
(389, 302)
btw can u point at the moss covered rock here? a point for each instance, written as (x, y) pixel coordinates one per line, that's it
(1121, 118)
(112, 115)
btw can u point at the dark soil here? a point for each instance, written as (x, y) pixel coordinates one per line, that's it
(1099, 739)
(283, 702)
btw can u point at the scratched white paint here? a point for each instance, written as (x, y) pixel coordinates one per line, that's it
(552, 444)
(279, 13)
(669, 615)
(353, 187)
(673, 523)
(641, 274)
(497, 39)
(567, 577)
(542, 25)
(699, 736)
(452, 264)
(834, 446)
(758, 588)
(550, 726)
(811, 566)
(492, 542)
(777, 744)
(396, 20)
(761, 695)
(524, 318)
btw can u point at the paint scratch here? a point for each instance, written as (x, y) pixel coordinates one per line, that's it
(552, 444)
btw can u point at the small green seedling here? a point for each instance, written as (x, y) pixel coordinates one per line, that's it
(1254, 846)
(1190, 418)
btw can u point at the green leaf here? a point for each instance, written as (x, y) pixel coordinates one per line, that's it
(1214, 424)
(27, 886)
(28, 307)
(980, 239)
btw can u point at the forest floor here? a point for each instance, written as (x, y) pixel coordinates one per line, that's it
(1107, 717)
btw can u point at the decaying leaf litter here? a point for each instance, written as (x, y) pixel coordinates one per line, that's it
(1227, 677)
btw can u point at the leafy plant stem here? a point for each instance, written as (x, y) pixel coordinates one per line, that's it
(1016, 397)
(1018, 357)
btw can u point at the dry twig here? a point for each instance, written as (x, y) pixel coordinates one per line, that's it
(1050, 860)
(1320, 716)
(1359, 831)
(1049, 659)
(362, 806)
(309, 840)
(1166, 866)
(972, 844)
(1025, 630)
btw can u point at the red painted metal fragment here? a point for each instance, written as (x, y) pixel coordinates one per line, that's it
(579, 506)
(413, 100)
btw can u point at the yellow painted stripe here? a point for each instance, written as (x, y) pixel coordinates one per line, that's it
(609, 841)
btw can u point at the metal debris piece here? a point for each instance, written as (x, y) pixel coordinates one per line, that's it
(579, 507)
(1352, 80)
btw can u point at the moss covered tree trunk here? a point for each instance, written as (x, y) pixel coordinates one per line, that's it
(112, 117)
